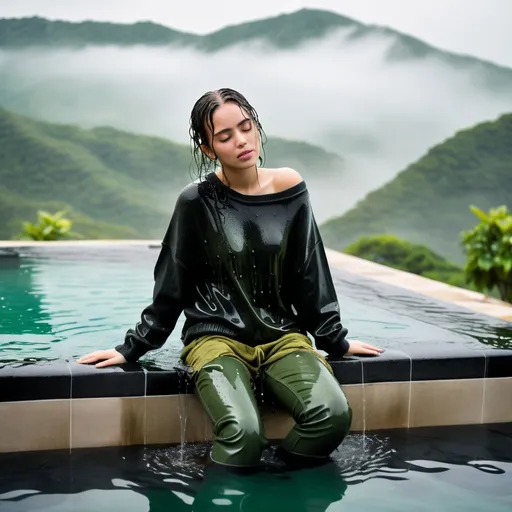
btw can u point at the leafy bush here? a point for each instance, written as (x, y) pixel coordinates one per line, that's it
(48, 228)
(488, 247)
(397, 253)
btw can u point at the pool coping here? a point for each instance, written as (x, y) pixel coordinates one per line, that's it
(67, 379)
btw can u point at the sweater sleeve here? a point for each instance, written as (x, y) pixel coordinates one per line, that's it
(314, 295)
(172, 280)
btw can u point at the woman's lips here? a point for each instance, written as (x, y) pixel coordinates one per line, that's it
(246, 155)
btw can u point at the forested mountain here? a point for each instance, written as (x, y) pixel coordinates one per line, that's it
(428, 202)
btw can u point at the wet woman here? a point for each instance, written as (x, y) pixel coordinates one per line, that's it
(243, 259)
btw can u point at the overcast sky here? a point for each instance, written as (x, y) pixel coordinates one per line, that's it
(476, 27)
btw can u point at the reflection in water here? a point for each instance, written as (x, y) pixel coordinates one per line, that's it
(21, 310)
(469, 467)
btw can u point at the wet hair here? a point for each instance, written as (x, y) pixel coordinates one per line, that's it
(201, 119)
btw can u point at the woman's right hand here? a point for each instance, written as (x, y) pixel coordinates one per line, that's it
(107, 358)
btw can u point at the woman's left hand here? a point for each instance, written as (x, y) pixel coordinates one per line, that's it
(360, 347)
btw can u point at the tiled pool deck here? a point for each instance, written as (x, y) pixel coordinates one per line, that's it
(65, 405)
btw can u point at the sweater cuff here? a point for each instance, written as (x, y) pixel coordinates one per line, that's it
(131, 352)
(339, 348)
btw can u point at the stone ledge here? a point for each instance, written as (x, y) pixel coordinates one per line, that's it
(70, 380)
(160, 419)
(468, 299)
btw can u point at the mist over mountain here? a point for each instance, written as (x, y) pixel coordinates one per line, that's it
(114, 184)
(376, 97)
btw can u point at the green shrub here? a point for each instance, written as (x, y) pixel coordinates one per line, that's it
(48, 227)
(488, 247)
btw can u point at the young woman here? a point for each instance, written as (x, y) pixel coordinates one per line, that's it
(243, 259)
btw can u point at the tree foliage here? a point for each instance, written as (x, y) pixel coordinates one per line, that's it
(49, 227)
(488, 247)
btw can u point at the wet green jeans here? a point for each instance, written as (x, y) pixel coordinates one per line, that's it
(300, 383)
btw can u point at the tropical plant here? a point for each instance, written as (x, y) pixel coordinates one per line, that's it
(49, 227)
(488, 247)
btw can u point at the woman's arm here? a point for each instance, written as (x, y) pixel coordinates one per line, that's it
(173, 281)
(314, 295)
(159, 318)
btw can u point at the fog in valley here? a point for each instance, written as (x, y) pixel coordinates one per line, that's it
(341, 94)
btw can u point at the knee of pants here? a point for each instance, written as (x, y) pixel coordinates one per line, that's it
(331, 418)
(341, 415)
(238, 440)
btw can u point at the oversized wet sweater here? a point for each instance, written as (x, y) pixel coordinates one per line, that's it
(249, 267)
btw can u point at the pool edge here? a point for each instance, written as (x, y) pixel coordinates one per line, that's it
(148, 420)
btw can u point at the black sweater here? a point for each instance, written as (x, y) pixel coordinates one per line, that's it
(249, 267)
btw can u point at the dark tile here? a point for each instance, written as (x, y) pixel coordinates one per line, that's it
(390, 366)
(441, 362)
(87, 381)
(167, 382)
(348, 370)
(499, 363)
(35, 382)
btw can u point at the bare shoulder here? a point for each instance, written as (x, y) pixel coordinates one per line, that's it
(284, 178)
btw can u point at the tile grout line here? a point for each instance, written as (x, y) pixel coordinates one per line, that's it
(70, 407)
(410, 393)
(144, 423)
(363, 398)
(484, 387)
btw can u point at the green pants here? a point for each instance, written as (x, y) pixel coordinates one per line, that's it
(301, 384)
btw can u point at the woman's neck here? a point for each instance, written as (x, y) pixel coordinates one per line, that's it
(244, 181)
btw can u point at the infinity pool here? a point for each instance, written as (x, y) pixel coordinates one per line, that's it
(450, 469)
(58, 303)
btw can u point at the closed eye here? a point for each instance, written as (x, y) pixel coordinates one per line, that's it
(245, 126)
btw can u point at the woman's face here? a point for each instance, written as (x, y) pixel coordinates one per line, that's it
(235, 138)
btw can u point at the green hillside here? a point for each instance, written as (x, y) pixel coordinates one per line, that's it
(37, 31)
(428, 202)
(41, 163)
(114, 184)
(283, 31)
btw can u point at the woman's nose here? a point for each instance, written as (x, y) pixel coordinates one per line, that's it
(241, 140)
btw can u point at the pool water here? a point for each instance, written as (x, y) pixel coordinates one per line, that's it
(464, 468)
(61, 303)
